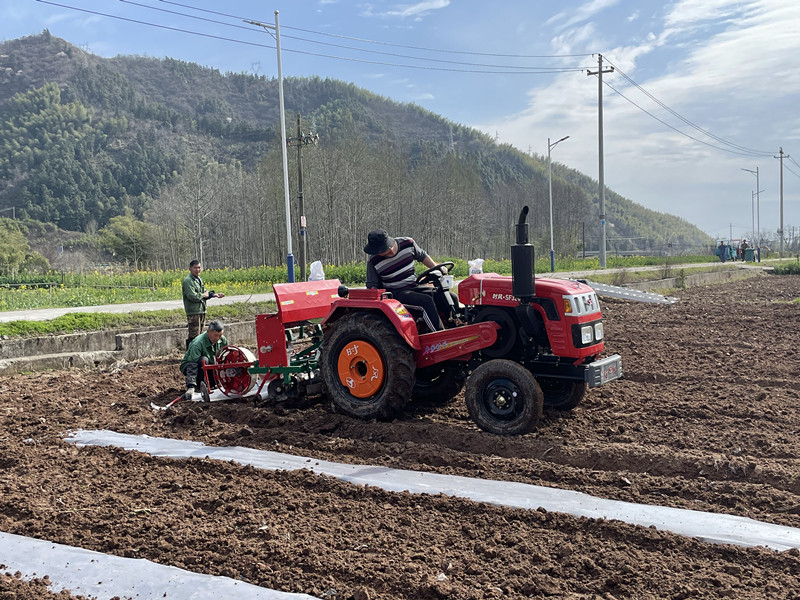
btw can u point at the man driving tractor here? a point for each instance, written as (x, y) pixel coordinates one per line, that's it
(391, 267)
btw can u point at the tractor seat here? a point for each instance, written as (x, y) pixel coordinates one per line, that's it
(418, 313)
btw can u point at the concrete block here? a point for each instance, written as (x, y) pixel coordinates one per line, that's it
(96, 348)
(161, 342)
(57, 344)
(44, 362)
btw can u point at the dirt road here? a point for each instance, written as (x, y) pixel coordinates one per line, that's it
(706, 418)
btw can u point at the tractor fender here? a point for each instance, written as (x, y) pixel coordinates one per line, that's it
(393, 310)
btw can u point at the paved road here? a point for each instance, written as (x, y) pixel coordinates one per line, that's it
(47, 314)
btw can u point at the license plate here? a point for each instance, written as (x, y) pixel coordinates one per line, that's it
(602, 371)
(611, 371)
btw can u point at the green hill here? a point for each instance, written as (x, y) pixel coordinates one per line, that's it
(180, 160)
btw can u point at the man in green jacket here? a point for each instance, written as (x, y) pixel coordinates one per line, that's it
(194, 300)
(202, 351)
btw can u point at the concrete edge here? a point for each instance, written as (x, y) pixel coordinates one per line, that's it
(696, 279)
(96, 351)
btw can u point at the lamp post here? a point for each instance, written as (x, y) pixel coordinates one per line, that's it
(550, 185)
(758, 209)
(277, 37)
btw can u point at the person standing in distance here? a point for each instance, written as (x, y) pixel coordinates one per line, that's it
(194, 300)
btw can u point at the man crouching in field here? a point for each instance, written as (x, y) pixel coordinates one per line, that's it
(202, 350)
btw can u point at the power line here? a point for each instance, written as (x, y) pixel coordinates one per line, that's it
(527, 71)
(791, 171)
(393, 54)
(744, 149)
(644, 110)
(385, 43)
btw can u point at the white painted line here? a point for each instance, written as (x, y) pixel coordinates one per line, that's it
(98, 575)
(709, 527)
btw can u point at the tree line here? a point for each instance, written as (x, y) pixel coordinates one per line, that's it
(229, 216)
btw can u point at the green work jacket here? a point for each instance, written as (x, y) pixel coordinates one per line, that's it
(193, 301)
(201, 346)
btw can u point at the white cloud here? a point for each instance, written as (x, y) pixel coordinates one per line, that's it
(583, 13)
(722, 64)
(691, 12)
(58, 18)
(418, 9)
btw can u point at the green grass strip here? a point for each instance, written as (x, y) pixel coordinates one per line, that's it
(75, 322)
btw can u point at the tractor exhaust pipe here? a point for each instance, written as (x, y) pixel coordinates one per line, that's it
(522, 262)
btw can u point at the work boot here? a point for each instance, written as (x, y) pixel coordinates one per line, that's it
(188, 394)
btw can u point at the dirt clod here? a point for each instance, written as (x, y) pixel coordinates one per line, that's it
(707, 418)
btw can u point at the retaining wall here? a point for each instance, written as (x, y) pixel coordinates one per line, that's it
(96, 348)
(695, 279)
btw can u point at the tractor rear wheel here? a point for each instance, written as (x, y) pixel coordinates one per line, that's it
(561, 394)
(367, 367)
(438, 383)
(504, 398)
(508, 343)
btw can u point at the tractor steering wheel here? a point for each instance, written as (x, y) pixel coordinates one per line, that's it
(429, 277)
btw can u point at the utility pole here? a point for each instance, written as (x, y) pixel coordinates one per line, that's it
(550, 185)
(277, 37)
(758, 203)
(780, 231)
(300, 141)
(601, 177)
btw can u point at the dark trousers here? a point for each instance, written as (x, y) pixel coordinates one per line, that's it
(424, 300)
(195, 325)
(194, 373)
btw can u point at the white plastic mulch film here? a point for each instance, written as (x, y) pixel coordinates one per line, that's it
(97, 575)
(710, 527)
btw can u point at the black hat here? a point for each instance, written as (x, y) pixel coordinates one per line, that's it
(378, 241)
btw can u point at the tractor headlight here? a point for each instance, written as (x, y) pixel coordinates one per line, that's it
(598, 331)
(586, 334)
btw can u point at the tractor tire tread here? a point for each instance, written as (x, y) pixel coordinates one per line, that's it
(400, 366)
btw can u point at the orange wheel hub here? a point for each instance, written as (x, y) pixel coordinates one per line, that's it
(361, 368)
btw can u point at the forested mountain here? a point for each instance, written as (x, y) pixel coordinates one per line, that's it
(167, 160)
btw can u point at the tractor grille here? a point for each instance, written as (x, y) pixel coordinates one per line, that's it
(583, 304)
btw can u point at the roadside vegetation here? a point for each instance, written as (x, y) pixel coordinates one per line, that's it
(26, 291)
(788, 267)
(76, 322)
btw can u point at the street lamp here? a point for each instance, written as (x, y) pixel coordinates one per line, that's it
(758, 210)
(277, 37)
(550, 185)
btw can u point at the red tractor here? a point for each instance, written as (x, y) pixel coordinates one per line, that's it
(516, 344)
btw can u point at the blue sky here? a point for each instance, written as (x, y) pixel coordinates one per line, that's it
(719, 78)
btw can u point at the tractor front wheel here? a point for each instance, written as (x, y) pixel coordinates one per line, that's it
(367, 367)
(504, 398)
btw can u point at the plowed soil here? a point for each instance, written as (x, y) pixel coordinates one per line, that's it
(707, 417)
